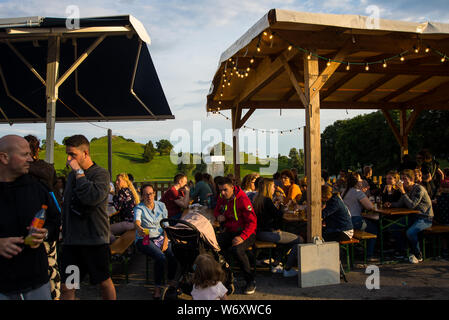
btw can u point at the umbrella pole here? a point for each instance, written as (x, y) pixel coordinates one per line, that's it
(51, 95)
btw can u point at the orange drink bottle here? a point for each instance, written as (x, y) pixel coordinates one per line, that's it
(37, 223)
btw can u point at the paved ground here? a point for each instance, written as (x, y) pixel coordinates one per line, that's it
(427, 280)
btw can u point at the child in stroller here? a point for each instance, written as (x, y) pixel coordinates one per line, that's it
(191, 236)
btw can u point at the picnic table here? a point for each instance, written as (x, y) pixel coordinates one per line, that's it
(389, 217)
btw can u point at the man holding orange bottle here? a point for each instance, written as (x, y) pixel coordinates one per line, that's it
(23, 268)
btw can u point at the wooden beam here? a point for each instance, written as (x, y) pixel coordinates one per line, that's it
(438, 94)
(398, 69)
(265, 72)
(373, 87)
(411, 120)
(404, 137)
(246, 117)
(289, 94)
(330, 69)
(313, 152)
(296, 104)
(347, 77)
(294, 81)
(383, 44)
(235, 142)
(393, 126)
(405, 88)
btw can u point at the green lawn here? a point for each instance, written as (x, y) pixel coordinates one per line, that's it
(127, 157)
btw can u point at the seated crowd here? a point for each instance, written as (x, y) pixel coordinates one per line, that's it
(96, 212)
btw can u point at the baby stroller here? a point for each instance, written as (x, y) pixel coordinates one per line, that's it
(187, 243)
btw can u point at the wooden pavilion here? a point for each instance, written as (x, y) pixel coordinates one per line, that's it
(297, 60)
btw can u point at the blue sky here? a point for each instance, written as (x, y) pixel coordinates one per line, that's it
(188, 38)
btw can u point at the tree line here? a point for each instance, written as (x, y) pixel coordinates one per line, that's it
(368, 140)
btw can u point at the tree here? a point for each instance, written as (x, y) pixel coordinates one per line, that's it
(294, 158)
(149, 152)
(186, 165)
(44, 145)
(164, 147)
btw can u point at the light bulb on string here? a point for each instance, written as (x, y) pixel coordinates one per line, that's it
(443, 59)
(402, 58)
(427, 49)
(348, 67)
(328, 62)
(265, 33)
(309, 56)
(258, 48)
(290, 47)
(367, 67)
(248, 69)
(251, 61)
(384, 64)
(416, 49)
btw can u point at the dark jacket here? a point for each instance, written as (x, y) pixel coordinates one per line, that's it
(19, 202)
(336, 215)
(88, 196)
(269, 218)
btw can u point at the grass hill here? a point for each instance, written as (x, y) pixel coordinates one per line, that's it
(127, 157)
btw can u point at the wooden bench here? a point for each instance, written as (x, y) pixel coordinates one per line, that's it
(261, 245)
(349, 258)
(435, 231)
(363, 236)
(119, 248)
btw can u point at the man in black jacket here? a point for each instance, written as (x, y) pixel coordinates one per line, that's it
(85, 223)
(23, 269)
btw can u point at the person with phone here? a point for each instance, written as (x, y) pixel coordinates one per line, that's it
(414, 196)
(85, 222)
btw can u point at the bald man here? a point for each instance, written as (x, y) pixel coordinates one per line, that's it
(23, 268)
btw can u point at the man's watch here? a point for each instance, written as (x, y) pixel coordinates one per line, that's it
(79, 171)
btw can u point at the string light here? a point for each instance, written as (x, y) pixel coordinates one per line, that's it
(416, 49)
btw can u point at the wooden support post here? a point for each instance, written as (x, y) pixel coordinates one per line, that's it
(51, 92)
(313, 151)
(236, 115)
(403, 133)
(110, 152)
